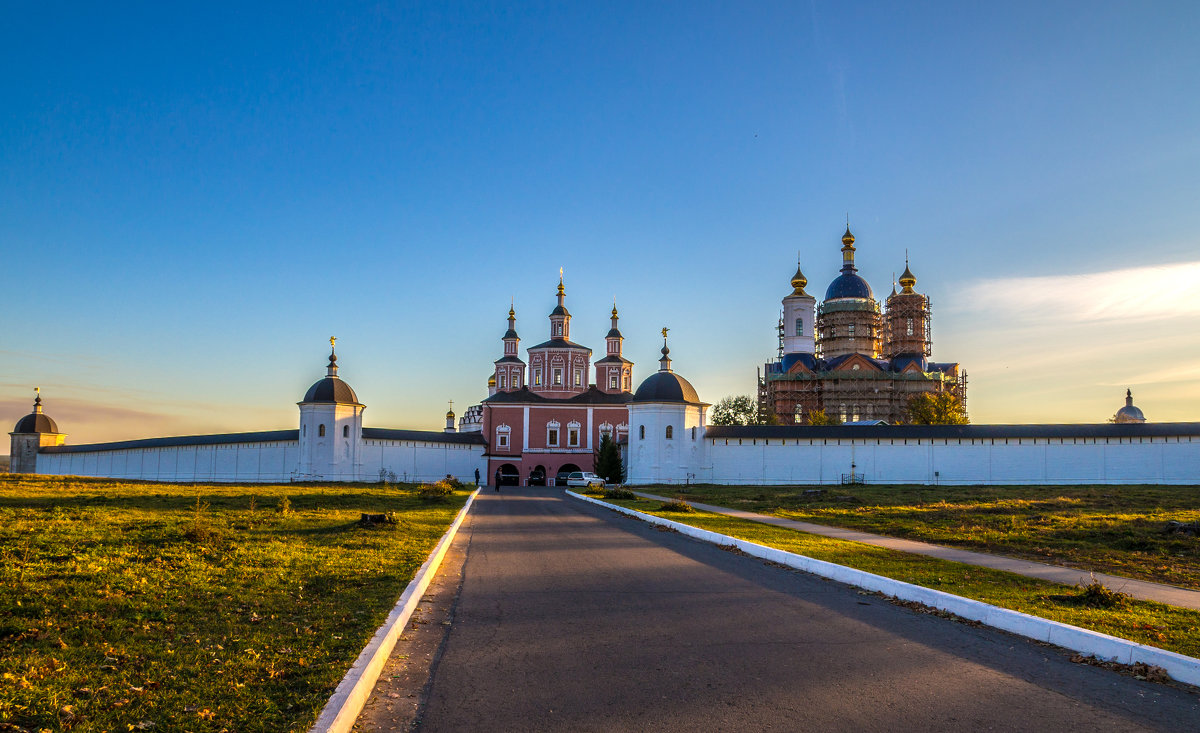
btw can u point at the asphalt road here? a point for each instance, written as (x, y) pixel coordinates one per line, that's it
(573, 618)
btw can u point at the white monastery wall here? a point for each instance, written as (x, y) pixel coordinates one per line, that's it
(1125, 460)
(264, 461)
(270, 461)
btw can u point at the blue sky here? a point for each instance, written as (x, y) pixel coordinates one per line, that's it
(194, 198)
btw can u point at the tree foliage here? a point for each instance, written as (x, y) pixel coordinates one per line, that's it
(608, 461)
(942, 408)
(819, 417)
(735, 410)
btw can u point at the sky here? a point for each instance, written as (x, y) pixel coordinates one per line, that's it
(195, 197)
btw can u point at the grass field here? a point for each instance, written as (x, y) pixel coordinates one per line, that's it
(1162, 626)
(138, 606)
(1112, 529)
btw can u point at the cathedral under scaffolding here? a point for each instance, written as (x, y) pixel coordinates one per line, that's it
(850, 358)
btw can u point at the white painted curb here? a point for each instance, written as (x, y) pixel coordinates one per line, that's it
(1179, 667)
(352, 692)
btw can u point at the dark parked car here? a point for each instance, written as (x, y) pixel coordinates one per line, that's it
(537, 477)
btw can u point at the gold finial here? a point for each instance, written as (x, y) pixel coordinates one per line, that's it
(664, 333)
(333, 342)
(37, 391)
(450, 412)
(560, 281)
(614, 311)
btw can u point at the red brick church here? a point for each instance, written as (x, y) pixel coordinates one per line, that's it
(549, 422)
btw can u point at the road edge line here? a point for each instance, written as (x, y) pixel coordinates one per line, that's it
(1179, 667)
(348, 700)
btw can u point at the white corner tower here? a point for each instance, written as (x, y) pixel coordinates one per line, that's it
(330, 429)
(32, 433)
(666, 428)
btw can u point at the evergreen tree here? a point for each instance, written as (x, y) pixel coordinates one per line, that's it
(608, 461)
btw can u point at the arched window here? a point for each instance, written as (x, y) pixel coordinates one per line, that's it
(502, 433)
(345, 431)
(670, 432)
(641, 432)
(799, 326)
(321, 431)
(503, 381)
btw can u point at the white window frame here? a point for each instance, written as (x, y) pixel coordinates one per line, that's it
(502, 437)
(553, 431)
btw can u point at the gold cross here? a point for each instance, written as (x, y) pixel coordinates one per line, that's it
(664, 332)
(332, 341)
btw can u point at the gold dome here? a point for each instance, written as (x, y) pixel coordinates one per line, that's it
(847, 238)
(798, 282)
(492, 381)
(907, 279)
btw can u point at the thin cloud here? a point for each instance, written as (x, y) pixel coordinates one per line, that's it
(1134, 295)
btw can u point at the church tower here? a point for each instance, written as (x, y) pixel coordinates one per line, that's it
(614, 373)
(510, 370)
(330, 428)
(907, 323)
(848, 320)
(31, 433)
(799, 318)
(559, 366)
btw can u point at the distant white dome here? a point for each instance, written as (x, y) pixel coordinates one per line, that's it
(1129, 413)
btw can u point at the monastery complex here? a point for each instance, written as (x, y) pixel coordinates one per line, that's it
(546, 414)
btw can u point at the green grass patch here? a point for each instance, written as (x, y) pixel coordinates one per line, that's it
(1113, 529)
(131, 605)
(1156, 624)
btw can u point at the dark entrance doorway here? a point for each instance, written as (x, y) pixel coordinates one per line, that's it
(508, 475)
(566, 468)
(537, 476)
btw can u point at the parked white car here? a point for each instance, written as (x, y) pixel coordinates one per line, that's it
(584, 479)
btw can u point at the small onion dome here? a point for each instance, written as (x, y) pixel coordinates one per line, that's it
(907, 279)
(449, 414)
(847, 238)
(798, 282)
(1129, 413)
(848, 285)
(492, 381)
(36, 421)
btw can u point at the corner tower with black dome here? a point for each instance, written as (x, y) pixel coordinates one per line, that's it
(666, 427)
(32, 433)
(330, 428)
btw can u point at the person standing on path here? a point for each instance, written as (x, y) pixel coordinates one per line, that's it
(477, 477)
(497, 480)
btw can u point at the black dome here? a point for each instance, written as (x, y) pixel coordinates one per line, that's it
(666, 387)
(848, 285)
(330, 389)
(36, 422)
